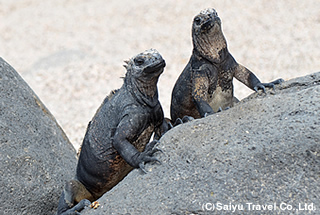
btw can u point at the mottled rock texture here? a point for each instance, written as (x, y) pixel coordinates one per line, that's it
(36, 157)
(265, 151)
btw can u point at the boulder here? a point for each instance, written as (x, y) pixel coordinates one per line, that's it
(36, 156)
(260, 157)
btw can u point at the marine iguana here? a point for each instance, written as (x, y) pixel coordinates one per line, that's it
(205, 85)
(116, 140)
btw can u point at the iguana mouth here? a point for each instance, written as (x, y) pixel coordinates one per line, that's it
(155, 67)
(208, 24)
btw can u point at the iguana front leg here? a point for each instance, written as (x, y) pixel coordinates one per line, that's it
(200, 89)
(245, 76)
(165, 126)
(126, 131)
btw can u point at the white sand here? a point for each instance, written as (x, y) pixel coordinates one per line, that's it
(71, 51)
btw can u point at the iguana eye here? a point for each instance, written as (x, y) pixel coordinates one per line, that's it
(139, 61)
(197, 20)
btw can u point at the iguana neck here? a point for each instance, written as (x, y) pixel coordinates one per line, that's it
(211, 45)
(145, 93)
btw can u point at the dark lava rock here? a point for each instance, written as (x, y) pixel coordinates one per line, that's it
(262, 156)
(36, 156)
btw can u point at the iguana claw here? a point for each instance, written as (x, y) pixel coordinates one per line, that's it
(184, 119)
(264, 85)
(146, 155)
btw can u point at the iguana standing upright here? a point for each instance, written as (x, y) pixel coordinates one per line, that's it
(116, 140)
(205, 85)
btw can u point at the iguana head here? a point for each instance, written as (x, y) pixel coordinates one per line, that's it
(146, 65)
(143, 71)
(207, 35)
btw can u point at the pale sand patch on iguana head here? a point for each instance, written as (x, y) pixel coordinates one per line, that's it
(208, 39)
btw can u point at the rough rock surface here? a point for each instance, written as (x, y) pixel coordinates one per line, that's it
(264, 151)
(36, 158)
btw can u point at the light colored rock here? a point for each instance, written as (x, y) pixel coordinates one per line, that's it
(36, 156)
(264, 151)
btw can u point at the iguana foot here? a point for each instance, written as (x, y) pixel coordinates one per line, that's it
(169, 124)
(184, 119)
(146, 155)
(264, 85)
(278, 81)
(218, 111)
(78, 207)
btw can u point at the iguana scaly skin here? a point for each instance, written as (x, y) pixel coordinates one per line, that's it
(116, 140)
(205, 85)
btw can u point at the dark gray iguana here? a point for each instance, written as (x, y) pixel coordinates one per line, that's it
(116, 140)
(205, 85)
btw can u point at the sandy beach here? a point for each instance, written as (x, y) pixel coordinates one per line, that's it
(71, 52)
